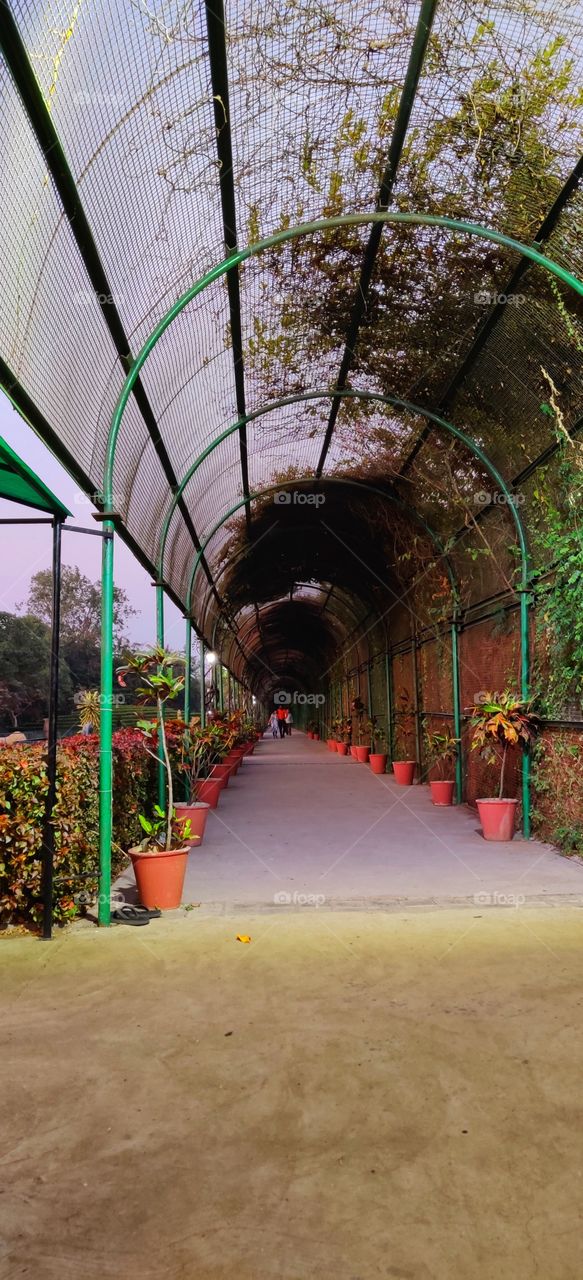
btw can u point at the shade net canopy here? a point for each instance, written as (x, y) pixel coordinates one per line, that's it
(20, 485)
(139, 144)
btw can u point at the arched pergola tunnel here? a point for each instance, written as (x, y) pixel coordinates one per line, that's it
(418, 368)
(248, 499)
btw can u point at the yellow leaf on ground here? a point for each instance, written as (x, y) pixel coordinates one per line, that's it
(243, 937)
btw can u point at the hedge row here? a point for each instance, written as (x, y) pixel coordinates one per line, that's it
(23, 788)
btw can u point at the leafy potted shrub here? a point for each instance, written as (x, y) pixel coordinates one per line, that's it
(334, 740)
(377, 757)
(159, 861)
(441, 753)
(358, 750)
(343, 742)
(193, 765)
(404, 770)
(500, 722)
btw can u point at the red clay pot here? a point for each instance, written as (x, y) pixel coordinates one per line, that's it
(222, 772)
(377, 762)
(404, 771)
(441, 792)
(362, 754)
(331, 744)
(316, 737)
(209, 790)
(310, 735)
(342, 748)
(353, 752)
(197, 815)
(497, 818)
(233, 762)
(160, 876)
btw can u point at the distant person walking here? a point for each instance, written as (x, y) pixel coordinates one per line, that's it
(281, 716)
(288, 723)
(273, 724)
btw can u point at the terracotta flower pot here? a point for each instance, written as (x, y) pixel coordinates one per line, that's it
(333, 744)
(377, 761)
(309, 734)
(330, 743)
(160, 876)
(404, 771)
(342, 748)
(316, 737)
(196, 814)
(441, 792)
(362, 754)
(353, 752)
(222, 771)
(497, 818)
(209, 790)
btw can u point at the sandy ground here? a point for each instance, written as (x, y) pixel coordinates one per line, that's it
(351, 1095)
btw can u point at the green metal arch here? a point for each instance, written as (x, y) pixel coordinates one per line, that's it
(292, 233)
(347, 482)
(394, 402)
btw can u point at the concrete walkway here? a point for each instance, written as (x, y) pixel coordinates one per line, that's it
(301, 826)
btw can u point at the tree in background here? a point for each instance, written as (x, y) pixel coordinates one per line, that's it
(80, 606)
(80, 620)
(25, 647)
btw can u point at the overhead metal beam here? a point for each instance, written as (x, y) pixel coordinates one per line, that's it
(215, 21)
(497, 310)
(416, 60)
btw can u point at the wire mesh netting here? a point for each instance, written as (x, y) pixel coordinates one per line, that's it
(453, 323)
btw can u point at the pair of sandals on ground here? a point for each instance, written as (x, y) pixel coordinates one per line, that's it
(127, 913)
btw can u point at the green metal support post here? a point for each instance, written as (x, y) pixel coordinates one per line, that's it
(415, 661)
(457, 715)
(389, 686)
(525, 693)
(221, 687)
(202, 687)
(106, 728)
(187, 668)
(160, 644)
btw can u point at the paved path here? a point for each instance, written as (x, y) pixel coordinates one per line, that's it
(301, 820)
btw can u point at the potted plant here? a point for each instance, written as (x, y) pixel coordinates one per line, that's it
(377, 757)
(159, 861)
(345, 731)
(500, 722)
(441, 753)
(192, 763)
(358, 750)
(334, 740)
(404, 770)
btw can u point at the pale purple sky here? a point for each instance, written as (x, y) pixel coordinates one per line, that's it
(25, 549)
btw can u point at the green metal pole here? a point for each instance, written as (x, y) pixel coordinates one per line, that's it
(202, 687)
(414, 655)
(160, 643)
(457, 715)
(106, 728)
(524, 693)
(389, 685)
(221, 687)
(187, 669)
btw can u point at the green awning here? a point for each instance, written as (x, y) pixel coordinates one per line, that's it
(19, 484)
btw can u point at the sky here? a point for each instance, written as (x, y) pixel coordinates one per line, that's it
(28, 548)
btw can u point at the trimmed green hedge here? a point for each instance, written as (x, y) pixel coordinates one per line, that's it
(23, 788)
